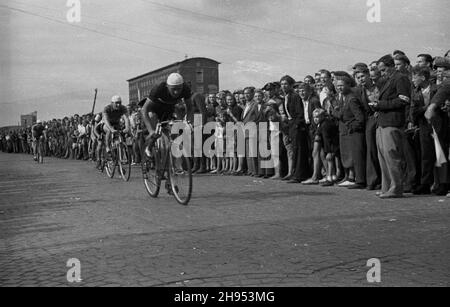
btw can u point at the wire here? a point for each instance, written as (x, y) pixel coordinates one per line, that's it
(90, 30)
(263, 29)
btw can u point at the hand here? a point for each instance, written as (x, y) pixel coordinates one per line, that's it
(431, 112)
(404, 98)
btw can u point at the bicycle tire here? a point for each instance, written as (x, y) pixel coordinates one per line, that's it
(180, 176)
(111, 164)
(40, 152)
(151, 173)
(124, 162)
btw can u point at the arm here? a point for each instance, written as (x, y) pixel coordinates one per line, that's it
(189, 110)
(126, 119)
(148, 122)
(403, 88)
(358, 123)
(107, 123)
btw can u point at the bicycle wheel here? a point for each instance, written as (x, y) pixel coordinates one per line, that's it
(41, 153)
(124, 162)
(111, 164)
(180, 176)
(151, 172)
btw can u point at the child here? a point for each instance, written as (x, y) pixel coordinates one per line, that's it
(328, 134)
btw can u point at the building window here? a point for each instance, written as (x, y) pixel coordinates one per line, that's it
(212, 88)
(199, 76)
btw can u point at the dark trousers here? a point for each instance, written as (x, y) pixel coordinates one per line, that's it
(427, 154)
(302, 169)
(373, 170)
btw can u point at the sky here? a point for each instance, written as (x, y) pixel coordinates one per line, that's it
(52, 66)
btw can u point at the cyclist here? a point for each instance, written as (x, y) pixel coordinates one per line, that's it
(98, 137)
(112, 114)
(39, 133)
(161, 105)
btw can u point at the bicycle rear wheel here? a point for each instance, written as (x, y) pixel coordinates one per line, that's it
(124, 162)
(180, 176)
(151, 172)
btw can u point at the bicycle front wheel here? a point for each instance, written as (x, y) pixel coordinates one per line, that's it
(41, 152)
(124, 162)
(180, 176)
(151, 172)
(111, 164)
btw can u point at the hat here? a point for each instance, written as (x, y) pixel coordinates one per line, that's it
(116, 99)
(269, 86)
(175, 79)
(442, 62)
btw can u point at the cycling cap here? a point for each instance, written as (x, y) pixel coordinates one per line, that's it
(116, 99)
(175, 79)
(39, 122)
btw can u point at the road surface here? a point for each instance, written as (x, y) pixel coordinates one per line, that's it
(237, 231)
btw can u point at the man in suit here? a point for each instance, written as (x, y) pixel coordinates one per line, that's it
(368, 93)
(293, 116)
(251, 115)
(390, 132)
(422, 95)
(310, 103)
(441, 102)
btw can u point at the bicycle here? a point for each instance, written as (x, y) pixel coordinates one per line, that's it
(163, 165)
(40, 149)
(121, 157)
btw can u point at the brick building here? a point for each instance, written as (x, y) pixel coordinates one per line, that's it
(28, 120)
(202, 75)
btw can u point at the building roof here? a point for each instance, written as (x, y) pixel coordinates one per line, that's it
(169, 66)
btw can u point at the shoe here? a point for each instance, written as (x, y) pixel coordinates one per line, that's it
(276, 177)
(293, 181)
(287, 178)
(373, 187)
(346, 184)
(323, 180)
(327, 184)
(423, 189)
(201, 171)
(357, 186)
(310, 182)
(441, 191)
(390, 196)
(213, 172)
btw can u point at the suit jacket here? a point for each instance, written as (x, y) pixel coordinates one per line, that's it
(418, 107)
(296, 111)
(392, 110)
(361, 93)
(314, 103)
(350, 115)
(442, 95)
(252, 115)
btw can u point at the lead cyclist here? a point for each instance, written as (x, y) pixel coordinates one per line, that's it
(161, 103)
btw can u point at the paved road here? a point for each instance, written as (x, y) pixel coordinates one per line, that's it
(236, 232)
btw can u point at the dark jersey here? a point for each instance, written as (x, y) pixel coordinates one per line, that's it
(163, 104)
(114, 115)
(38, 130)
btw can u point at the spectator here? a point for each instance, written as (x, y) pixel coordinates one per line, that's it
(390, 133)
